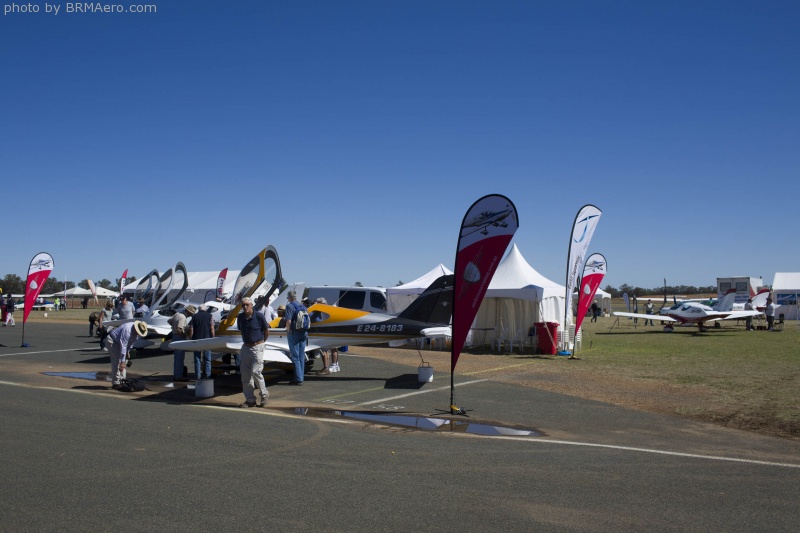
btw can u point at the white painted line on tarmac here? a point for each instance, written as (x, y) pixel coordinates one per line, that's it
(48, 351)
(419, 392)
(532, 440)
(657, 452)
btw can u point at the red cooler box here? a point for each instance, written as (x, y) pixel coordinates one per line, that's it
(547, 335)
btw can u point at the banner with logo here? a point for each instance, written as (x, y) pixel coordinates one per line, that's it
(593, 273)
(486, 231)
(39, 270)
(122, 281)
(221, 282)
(582, 230)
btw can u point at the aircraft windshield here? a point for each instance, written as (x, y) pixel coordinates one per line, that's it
(145, 290)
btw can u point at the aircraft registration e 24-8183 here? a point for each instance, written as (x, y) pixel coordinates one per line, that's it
(427, 316)
(697, 313)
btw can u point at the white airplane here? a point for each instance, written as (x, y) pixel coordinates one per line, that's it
(428, 316)
(697, 313)
(486, 219)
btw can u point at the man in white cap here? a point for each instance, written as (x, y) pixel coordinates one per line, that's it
(119, 343)
(255, 331)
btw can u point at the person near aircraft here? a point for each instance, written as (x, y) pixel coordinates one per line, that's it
(748, 322)
(178, 324)
(769, 312)
(141, 308)
(595, 311)
(104, 316)
(296, 339)
(635, 308)
(317, 316)
(92, 323)
(125, 309)
(11, 305)
(202, 327)
(85, 303)
(648, 310)
(119, 343)
(282, 315)
(255, 330)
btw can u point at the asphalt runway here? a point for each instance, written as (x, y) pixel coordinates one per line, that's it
(78, 456)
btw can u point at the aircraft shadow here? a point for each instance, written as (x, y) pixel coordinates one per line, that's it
(404, 381)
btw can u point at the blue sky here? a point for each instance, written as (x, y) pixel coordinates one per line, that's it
(353, 136)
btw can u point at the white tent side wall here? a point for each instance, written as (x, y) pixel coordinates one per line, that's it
(786, 291)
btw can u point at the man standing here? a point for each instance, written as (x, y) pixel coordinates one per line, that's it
(178, 324)
(255, 330)
(11, 306)
(296, 338)
(648, 309)
(119, 343)
(202, 327)
(748, 322)
(125, 309)
(769, 312)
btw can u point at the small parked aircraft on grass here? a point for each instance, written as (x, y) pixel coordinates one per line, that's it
(697, 313)
(428, 316)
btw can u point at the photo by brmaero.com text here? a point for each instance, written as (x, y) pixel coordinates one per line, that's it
(71, 8)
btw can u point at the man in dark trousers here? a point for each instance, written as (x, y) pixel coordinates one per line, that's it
(255, 330)
(202, 327)
(296, 338)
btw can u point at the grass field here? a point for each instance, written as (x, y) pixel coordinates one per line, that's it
(743, 379)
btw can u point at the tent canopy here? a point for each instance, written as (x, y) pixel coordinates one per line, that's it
(517, 297)
(400, 297)
(786, 293)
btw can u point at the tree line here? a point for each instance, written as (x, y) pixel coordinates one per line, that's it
(13, 284)
(658, 291)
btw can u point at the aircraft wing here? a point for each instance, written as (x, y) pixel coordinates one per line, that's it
(733, 315)
(662, 318)
(275, 351)
(117, 322)
(159, 330)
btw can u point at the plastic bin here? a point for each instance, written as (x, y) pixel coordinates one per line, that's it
(547, 336)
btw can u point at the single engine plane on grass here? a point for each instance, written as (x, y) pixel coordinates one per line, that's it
(697, 313)
(428, 316)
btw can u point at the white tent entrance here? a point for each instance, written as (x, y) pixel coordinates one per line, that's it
(517, 297)
(400, 297)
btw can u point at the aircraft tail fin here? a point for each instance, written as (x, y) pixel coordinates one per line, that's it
(726, 302)
(435, 305)
(760, 299)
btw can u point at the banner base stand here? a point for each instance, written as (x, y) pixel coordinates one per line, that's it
(565, 353)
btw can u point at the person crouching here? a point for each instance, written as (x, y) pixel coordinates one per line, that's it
(119, 343)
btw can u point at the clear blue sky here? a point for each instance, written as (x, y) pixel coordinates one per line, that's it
(353, 136)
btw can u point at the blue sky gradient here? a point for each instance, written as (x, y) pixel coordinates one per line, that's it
(353, 136)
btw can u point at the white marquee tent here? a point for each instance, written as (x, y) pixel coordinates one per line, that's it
(400, 297)
(786, 291)
(517, 297)
(202, 285)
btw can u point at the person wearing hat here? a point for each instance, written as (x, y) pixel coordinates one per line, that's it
(254, 328)
(281, 313)
(119, 343)
(202, 327)
(178, 324)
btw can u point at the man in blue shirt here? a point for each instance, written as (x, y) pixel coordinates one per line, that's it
(255, 330)
(202, 327)
(296, 338)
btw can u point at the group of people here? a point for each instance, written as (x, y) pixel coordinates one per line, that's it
(769, 314)
(194, 324)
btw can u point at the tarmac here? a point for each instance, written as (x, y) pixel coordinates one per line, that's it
(367, 449)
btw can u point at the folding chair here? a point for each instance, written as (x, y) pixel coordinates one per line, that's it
(778, 325)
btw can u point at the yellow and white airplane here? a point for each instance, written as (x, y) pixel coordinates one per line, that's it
(428, 316)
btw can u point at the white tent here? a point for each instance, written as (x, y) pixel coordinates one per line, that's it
(74, 292)
(786, 292)
(400, 297)
(517, 297)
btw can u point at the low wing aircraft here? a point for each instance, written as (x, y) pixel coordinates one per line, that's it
(696, 313)
(428, 316)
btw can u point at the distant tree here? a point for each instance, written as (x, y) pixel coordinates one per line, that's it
(84, 284)
(52, 285)
(626, 288)
(358, 284)
(612, 291)
(106, 284)
(399, 283)
(12, 284)
(128, 281)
